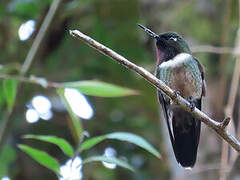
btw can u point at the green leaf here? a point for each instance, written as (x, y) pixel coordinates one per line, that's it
(101, 89)
(2, 97)
(41, 157)
(113, 160)
(91, 142)
(61, 143)
(77, 127)
(122, 136)
(137, 140)
(9, 89)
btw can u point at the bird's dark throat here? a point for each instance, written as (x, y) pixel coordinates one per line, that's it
(165, 52)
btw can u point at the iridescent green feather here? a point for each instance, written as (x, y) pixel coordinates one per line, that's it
(186, 63)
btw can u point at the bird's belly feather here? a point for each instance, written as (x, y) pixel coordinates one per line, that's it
(183, 82)
(183, 76)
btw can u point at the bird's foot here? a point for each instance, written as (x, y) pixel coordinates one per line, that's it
(176, 93)
(192, 106)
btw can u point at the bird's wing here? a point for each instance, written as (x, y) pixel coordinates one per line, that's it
(165, 103)
(184, 143)
(200, 66)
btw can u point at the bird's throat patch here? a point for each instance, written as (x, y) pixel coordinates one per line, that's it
(159, 56)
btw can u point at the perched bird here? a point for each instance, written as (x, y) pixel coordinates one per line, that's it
(183, 73)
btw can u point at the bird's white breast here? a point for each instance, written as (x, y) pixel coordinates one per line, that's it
(177, 61)
(182, 74)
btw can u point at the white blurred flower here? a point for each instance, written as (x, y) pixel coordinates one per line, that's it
(42, 104)
(5, 178)
(78, 103)
(41, 107)
(32, 115)
(72, 170)
(110, 152)
(46, 116)
(26, 30)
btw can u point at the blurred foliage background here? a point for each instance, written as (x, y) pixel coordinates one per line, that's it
(61, 58)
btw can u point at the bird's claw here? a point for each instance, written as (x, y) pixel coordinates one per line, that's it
(176, 93)
(192, 106)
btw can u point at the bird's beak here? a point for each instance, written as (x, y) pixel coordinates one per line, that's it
(149, 31)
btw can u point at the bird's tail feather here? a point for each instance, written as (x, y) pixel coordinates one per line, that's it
(186, 136)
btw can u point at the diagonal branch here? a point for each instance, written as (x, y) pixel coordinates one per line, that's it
(219, 127)
(39, 38)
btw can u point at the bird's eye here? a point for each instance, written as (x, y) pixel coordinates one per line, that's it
(173, 39)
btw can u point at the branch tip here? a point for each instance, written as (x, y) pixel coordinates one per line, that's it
(225, 123)
(71, 32)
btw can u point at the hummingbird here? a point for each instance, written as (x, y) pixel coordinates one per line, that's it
(183, 73)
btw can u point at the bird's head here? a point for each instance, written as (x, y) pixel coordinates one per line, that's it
(169, 44)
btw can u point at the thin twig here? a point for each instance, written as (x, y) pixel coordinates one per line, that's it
(214, 49)
(229, 110)
(27, 63)
(223, 83)
(238, 128)
(223, 57)
(217, 126)
(33, 80)
(39, 38)
(232, 97)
